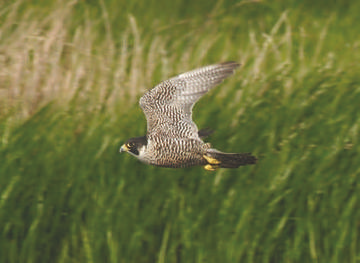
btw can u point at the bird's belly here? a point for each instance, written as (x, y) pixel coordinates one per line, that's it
(180, 162)
(179, 154)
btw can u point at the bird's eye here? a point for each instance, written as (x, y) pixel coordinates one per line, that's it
(130, 144)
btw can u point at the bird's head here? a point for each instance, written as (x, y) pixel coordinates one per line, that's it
(135, 146)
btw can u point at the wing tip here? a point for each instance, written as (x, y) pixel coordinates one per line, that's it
(230, 64)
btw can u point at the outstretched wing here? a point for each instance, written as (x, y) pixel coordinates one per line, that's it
(168, 106)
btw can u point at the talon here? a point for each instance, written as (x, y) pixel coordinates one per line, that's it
(211, 160)
(211, 167)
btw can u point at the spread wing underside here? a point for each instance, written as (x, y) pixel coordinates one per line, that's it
(168, 106)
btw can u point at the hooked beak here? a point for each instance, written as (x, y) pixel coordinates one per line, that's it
(123, 148)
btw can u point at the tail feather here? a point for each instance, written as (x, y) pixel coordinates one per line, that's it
(229, 160)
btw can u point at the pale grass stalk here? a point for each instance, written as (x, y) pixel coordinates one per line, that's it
(120, 74)
(156, 49)
(303, 67)
(87, 246)
(312, 242)
(136, 60)
(226, 52)
(64, 252)
(288, 40)
(185, 59)
(113, 247)
(320, 42)
(204, 47)
(107, 90)
(164, 244)
(7, 190)
(166, 64)
(269, 39)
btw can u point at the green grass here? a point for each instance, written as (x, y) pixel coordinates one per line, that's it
(70, 78)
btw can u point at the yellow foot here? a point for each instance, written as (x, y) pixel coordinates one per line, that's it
(211, 160)
(211, 167)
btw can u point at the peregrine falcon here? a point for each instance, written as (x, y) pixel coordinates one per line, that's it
(173, 139)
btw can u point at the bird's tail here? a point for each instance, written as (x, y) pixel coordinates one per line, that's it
(216, 159)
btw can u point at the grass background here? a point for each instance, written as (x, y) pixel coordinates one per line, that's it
(71, 73)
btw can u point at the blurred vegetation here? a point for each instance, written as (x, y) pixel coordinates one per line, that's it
(71, 73)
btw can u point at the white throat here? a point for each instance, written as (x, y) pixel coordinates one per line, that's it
(142, 153)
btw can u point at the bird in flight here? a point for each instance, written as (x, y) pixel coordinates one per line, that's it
(173, 139)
